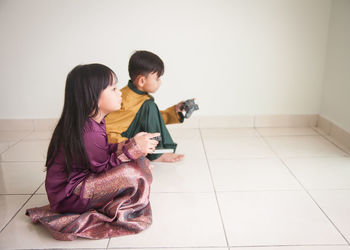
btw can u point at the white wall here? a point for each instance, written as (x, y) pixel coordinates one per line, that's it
(336, 92)
(236, 57)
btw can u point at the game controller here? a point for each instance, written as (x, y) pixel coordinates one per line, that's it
(161, 150)
(189, 106)
(157, 138)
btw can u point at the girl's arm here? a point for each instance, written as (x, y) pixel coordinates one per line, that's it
(126, 150)
(104, 156)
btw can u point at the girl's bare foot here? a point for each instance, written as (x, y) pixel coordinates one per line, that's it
(169, 157)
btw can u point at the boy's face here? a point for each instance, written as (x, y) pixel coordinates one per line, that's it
(149, 83)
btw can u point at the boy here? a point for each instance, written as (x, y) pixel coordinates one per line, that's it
(138, 110)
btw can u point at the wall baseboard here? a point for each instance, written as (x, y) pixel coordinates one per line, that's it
(250, 121)
(234, 121)
(334, 133)
(27, 124)
(327, 128)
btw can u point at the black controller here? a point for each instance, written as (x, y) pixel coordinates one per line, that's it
(157, 138)
(189, 106)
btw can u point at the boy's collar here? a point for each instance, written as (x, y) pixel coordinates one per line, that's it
(136, 90)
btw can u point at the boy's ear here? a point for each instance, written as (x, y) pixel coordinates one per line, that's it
(140, 80)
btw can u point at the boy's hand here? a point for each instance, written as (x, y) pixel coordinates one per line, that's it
(144, 141)
(178, 107)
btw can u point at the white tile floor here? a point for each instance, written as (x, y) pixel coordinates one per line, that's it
(237, 189)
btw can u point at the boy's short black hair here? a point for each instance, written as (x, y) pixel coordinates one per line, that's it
(144, 62)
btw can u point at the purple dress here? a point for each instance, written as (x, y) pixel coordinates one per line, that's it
(109, 199)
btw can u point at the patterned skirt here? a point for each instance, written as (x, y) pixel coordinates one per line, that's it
(119, 205)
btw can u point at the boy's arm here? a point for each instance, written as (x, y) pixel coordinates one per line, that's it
(116, 138)
(170, 115)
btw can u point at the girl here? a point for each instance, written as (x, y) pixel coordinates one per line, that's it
(95, 189)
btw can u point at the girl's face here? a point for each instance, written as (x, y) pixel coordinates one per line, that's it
(110, 99)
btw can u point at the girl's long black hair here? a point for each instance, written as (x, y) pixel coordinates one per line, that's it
(84, 85)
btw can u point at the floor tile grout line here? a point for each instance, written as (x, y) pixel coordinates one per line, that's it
(291, 245)
(171, 247)
(229, 191)
(309, 194)
(216, 196)
(281, 190)
(225, 247)
(204, 247)
(43, 183)
(9, 144)
(21, 140)
(109, 240)
(43, 161)
(36, 139)
(15, 194)
(326, 138)
(20, 209)
(273, 136)
(265, 141)
(14, 144)
(318, 134)
(174, 247)
(275, 157)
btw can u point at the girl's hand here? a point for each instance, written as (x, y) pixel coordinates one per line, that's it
(144, 141)
(150, 167)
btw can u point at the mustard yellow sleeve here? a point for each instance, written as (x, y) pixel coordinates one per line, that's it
(115, 138)
(170, 116)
